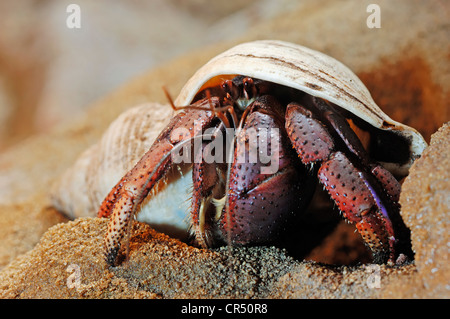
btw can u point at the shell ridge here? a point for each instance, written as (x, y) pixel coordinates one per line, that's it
(307, 70)
(297, 67)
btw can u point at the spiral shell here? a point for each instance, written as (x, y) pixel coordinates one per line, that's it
(80, 191)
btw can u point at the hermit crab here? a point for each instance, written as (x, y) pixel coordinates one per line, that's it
(258, 127)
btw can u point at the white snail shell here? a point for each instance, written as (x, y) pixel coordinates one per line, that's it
(309, 71)
(83, 187)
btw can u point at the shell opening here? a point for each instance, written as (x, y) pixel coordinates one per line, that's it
(388, 147)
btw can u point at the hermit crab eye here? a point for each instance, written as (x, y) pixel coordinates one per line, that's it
(226, 86)
(230, 89)
(250, 90)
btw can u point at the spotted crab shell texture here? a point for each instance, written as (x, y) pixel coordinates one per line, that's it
(309, 71)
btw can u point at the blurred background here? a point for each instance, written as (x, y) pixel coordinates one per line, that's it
(49, 72)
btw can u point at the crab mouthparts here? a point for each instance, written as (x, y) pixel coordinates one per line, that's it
(243, 103)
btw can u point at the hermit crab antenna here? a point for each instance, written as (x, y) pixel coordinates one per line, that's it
(169, 97)
(217, 112)
(230, 161)
(210, 107)
(233, 115)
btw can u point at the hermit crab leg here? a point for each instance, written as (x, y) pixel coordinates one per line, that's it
(206, 185)
(346, 174)
(124, 199)
(207, 182)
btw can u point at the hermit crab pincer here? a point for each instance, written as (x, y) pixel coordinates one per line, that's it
(259, 125)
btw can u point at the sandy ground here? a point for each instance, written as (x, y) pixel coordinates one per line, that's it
(405, 66)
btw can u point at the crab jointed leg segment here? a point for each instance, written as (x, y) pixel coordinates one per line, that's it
(354, 183)
(123, 200)
(357, 204)
(127, 195)
(205, 179)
